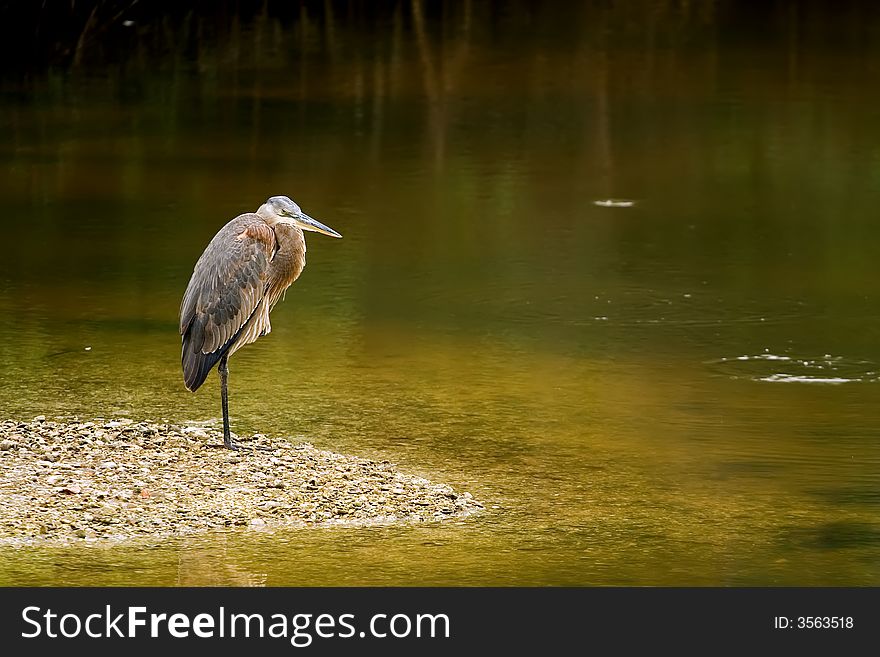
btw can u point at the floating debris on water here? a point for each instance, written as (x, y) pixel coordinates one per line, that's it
(614, 203)
(103, 481)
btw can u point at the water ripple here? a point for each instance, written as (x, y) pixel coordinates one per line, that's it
(782, 368)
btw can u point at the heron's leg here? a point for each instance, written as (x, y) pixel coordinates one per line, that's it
(223, 369)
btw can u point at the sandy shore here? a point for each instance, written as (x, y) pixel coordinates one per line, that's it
(102, 481)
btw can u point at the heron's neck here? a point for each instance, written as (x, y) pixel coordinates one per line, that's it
(290, 258)
(266, 214)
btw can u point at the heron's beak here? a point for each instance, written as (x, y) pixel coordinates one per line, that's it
(305, 222)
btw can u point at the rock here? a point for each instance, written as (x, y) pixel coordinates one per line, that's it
(110, 481)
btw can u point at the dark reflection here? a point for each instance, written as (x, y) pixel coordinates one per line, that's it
(589, 101)
(732, 469)
(836, 536)
(849, 495)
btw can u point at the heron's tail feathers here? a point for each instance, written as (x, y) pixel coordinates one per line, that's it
(196, 364)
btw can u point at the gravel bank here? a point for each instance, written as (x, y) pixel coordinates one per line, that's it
(100, 481)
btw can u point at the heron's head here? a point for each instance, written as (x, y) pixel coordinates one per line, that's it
(280, 209)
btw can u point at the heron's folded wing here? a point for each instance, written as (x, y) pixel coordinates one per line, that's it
(227, 284)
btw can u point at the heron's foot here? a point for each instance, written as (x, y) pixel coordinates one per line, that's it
(239, 447)
(235, 447)
(227, 440)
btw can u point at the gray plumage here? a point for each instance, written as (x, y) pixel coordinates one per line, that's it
(239, 278)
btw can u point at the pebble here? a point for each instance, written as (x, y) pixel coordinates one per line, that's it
(105, 481)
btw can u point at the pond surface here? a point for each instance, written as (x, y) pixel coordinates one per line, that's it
(678, 391)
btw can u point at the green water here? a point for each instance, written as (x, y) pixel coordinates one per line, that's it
(684, 391)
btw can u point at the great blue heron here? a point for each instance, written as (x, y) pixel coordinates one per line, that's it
(236, 282)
